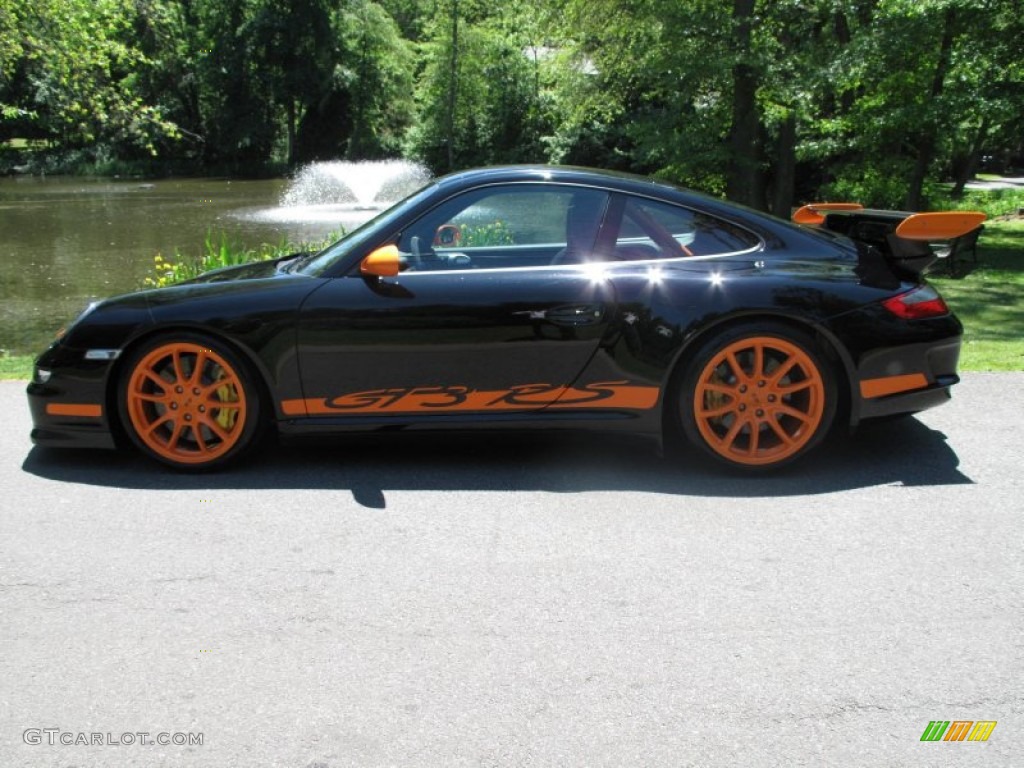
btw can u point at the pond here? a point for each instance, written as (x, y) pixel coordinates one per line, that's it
(67, 241)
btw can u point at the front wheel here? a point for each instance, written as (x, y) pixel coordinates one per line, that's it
(757, 398)
(189, 402)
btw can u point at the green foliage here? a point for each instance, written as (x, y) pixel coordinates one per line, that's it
(483, 235)
(232, 84)
(923, 83)
(994, 202)
(70, 73)
(219, 253)
(773, 103)
(881, 185)
(381, 80)
(216, 256)
(479, 92)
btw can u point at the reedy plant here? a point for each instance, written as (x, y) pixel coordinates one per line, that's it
(221, 252)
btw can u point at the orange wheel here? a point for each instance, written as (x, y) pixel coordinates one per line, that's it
(758, 399)
(188, 403)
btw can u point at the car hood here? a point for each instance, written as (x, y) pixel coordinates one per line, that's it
(255, 270)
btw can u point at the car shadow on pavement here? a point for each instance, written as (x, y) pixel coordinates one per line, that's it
(902, 452)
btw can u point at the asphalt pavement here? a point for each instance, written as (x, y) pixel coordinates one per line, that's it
(482, 600)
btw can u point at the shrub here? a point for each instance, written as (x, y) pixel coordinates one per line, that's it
(872, 186)
(223, 253)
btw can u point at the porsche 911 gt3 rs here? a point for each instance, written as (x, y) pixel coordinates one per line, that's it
(525, 297)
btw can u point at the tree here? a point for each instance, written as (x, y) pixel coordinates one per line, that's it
(768, 102)
(379, 76)
(69, 71)
(662, 92)
(478, 100)
(294, 55)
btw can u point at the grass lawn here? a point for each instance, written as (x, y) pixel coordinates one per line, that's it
(15, 366)
(990, 300)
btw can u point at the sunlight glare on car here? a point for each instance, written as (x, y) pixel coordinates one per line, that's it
(598, 273)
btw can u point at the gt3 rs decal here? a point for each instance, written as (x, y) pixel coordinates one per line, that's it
(610, 394)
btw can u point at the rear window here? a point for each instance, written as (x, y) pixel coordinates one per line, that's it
(670, 231)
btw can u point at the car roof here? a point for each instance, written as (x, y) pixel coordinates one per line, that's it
(769, 227)
(614, 180)
(555, 173)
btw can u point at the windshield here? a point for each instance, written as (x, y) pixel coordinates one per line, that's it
(319, 263)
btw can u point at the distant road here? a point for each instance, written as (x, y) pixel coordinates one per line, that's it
(519, 601)
(1004, 182)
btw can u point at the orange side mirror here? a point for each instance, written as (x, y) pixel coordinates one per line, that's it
(385, 261)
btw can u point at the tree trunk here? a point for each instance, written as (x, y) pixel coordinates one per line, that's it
(966, 170)
(925, 142)
(844, 36)
(785, 168)
(291, 132)
(453, 86)
(746, 176)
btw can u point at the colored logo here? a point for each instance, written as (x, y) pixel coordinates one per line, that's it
(958, 730)
(427, 399)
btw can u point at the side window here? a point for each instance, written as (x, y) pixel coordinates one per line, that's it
(653, 230)
(519, 225)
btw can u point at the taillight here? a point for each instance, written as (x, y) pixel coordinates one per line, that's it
(923, 301)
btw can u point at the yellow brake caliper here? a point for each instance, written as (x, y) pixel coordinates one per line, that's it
(226, 393)
(715, 400)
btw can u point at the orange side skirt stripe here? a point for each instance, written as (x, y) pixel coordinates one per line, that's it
(890, 385)
(84, 410)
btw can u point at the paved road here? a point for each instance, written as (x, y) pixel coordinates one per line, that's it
(1004, 182)
(486, 601)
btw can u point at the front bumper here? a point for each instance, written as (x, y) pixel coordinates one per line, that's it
(70, 409)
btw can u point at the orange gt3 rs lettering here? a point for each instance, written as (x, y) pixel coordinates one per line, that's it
(294, 407)
(525, 395)
(398, 399)
(615, 394)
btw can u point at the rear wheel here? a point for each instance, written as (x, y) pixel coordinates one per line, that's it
(757, 398)
(189, 401)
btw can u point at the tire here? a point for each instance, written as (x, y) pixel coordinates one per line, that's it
(757, 398)
(190, 402)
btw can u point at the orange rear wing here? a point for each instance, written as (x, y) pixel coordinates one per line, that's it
(905, 239)
(941, 225)
(932, 226)
(813, 214)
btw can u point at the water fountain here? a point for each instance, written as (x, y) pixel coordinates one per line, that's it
(344, 193)
(364, 185)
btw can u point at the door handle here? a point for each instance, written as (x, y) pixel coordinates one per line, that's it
(576, 315)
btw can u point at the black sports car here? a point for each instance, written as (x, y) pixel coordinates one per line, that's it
(524, 297)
